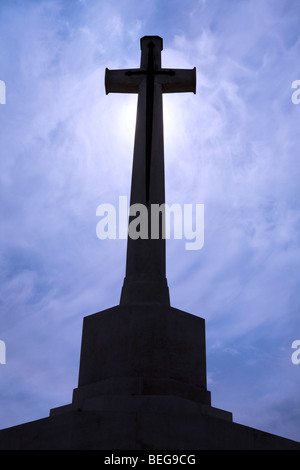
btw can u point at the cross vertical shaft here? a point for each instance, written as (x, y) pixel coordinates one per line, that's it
(145, 279)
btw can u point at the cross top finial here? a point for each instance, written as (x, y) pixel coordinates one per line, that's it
(146, 39)
(156, 43)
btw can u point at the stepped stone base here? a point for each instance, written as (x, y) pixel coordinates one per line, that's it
(140, 423)
(142, 386)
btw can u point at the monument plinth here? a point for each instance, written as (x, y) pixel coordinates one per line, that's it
(142, 376)
(144, 350)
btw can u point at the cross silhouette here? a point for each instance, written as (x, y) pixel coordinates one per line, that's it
(145, 266)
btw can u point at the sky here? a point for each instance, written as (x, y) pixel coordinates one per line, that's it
(66, 147)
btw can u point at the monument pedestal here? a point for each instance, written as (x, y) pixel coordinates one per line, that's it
(144, 349)
(142, 357)
(142, 386)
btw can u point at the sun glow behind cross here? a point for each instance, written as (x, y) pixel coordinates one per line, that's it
(126, 121)
(174, 127)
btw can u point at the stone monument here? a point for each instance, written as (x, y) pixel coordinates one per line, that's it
(142, 376)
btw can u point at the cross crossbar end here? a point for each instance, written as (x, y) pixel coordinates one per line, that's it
(119, 81)
(180, 82)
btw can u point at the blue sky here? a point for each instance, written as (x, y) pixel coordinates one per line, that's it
(66, 147)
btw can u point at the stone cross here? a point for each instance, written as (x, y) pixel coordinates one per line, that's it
(145, 279)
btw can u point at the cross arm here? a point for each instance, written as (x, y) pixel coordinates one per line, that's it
(123, 81)
(180, 80)
(172, 80)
